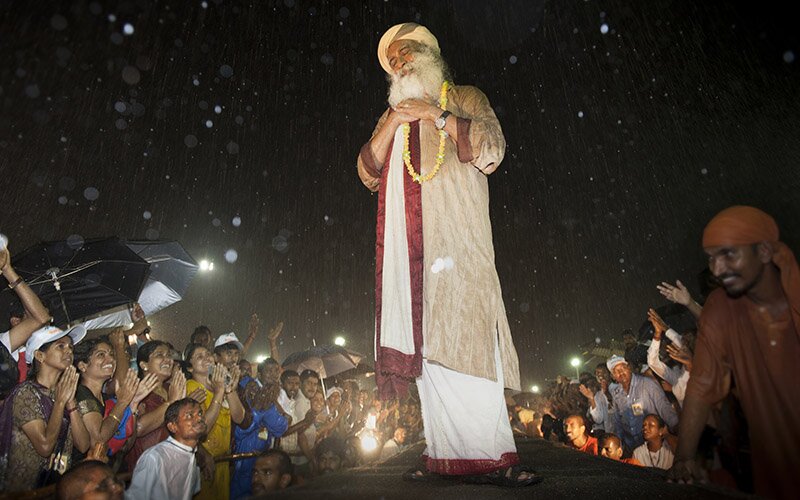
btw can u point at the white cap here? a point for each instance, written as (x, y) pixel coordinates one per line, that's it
(49, 334)
(331, 390)
(614, 361)
(227, 338)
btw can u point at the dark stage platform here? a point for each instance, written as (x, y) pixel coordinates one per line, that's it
(567, 474)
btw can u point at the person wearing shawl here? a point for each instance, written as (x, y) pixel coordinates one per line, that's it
(748, 337)
(39, 422)
(440, 317)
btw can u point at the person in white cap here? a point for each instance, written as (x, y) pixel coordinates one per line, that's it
(39, 422)
(635, 397)
(440, 317)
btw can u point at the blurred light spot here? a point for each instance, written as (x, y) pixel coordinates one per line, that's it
(512, 59)
(121, 124)
(216, 222)
(232, 148)
(196, 82)
(190, 141)
(231, 256)
(326, 59)
(58, 22)
(131, 75)
(91, 193)
(788, 56)
(344, 12)
(580, 114)
(128, 29)
(217, 109)
(236, 221)
(209, 124)
(62, 200)
(226, 71)
(604, 28)
(32, 91)
(704, 171)
(151, 234)
(120, 106)
(75, 241)
(112, 18)
(147, 215)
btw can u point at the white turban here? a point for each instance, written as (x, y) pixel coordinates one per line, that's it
(405, 31)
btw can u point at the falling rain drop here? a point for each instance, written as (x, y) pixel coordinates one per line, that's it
(231, 255)
(128, 29)
(91, 193)
(226, 71)
(147, 215)
(131, 75)
(236, 221)
(604, 28)
(209, 124)
(190, 141)
(75, 241)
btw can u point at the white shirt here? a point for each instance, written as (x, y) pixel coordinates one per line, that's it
(167, 471)
(662, 459)
(5, 339)
(286, 403)
(677, 377)
(599, 413)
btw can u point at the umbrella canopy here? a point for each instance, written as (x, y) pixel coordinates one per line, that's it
(172, 269)
(76, 278)
(326, 360)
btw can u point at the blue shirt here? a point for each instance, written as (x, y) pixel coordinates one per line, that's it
(644, 397)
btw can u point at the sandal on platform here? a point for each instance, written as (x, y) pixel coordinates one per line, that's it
(419, 475)
(512, 480)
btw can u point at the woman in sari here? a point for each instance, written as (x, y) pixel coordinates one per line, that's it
(108, 417)
(222, 407)
(39, 423)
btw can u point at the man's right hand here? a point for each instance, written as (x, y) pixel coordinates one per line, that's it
(658, 324)
(677, 293)
(587, 393)
(686, 471)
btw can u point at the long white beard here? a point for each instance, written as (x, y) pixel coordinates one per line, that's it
(424, 81)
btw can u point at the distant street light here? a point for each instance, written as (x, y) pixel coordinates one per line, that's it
(206, 265)
(260, 358)
(340, 341)
(575, 362)
(535, 389)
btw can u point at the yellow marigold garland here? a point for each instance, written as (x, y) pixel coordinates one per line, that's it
(418, 177)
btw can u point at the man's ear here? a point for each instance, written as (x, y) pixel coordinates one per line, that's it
(172, 427)
(765, 251)
(285, 481)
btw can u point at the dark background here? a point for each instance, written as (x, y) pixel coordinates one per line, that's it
(621, 146)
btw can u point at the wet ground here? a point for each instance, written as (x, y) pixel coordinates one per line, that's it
(566, 473)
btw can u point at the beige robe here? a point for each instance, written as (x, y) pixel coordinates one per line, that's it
(463, 306)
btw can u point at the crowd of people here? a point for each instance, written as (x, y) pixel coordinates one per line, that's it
(78, 410)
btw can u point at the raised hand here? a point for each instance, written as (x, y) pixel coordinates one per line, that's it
(138, 313)
(177, 386)
(198, 395)
(275, 331)
(67, 385)
(127, 389)
(117, 337)
(147, 385)
(678, 293)
(218, 379)
(587, 393)
(235, 373)
(5, 258)
(680, 354)
(254, 324)
(658, 324)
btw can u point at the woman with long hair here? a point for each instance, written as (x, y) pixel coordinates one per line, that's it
(39, 424)
(154, 358)
(222, 407)
(108, 417)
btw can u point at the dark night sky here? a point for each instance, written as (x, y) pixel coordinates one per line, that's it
(629, 124)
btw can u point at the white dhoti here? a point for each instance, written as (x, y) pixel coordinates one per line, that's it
(466, 421)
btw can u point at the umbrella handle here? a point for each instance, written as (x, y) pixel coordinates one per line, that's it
(54, 274)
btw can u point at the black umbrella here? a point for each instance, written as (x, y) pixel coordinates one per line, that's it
(326, 360)
(172, 269)
(77, 278)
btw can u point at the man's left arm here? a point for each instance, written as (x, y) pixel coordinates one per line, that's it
(478, 136)
(662, 406)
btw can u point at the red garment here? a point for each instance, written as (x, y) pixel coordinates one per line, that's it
(631, 461)
(738, 341)
(589, 447)
(22, 367)
(152, 438)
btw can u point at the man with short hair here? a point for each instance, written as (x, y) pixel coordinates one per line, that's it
(395, 445)
(579, 438)
(268, 371)
(90, 479)
(202, 336)
(329, 455)
(749, 333)
(273, 471)
(227, 350)
(169, 470)
(309, 384)
(429, 158)
(611, 447)
(635, 397)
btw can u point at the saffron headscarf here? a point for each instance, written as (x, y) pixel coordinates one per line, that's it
(742, 225)
(404, 31)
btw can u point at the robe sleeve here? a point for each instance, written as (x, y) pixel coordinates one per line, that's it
(369, 167)
(710, 378)
(480, 138)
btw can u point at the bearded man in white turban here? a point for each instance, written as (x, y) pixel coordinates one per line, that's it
(440, 317)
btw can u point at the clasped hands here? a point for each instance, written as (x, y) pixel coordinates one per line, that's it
(415, 109)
